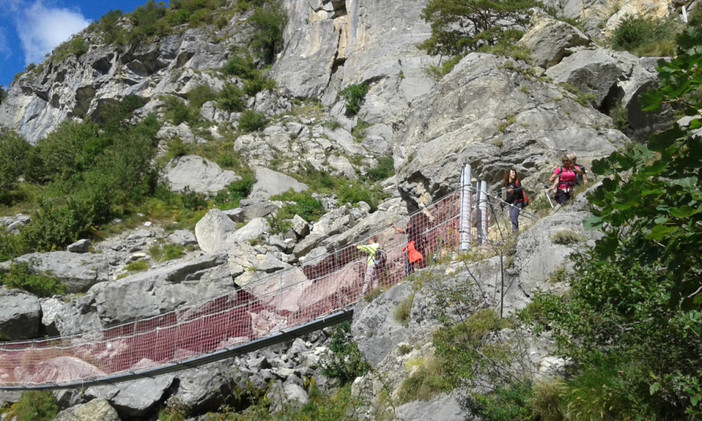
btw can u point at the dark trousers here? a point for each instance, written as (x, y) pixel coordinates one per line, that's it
(514, 210)
(562, 196)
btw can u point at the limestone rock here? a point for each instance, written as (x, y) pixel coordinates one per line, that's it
(20, 315)
(135, 398)
(270, 183)
(549, 40)
(96, 409)
(77, 271)
(212, 230)
(196, 174)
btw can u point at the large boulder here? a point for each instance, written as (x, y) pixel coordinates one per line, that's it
(133, 399)
(196, 174)
(213, 230)
(96, 409)
(20, 315)
(270, 183)
(549, 39)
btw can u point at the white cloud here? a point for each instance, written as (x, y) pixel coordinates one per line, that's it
(42, 28)
(4, 48)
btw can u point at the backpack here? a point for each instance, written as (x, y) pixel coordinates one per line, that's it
(381, 258)
(525, 198)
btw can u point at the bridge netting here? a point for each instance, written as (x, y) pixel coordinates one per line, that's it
(260, 309)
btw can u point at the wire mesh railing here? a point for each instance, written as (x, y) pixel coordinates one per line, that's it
(264, 308)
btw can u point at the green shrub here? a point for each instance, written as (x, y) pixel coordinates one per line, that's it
(178, 112)
(193, 200)
(242, 188)
(403, 310)
(138, 266)
(506, 402)
(35, 406)
(71, 149)
(146, 21)
(231, 98)
(384, 169)
(306, 206)
(240, 64)
(199, 95)
(20, 276)
(461, 346)
(343, 361)
(459, 26)
(355, 193)
(165, 252)
(620, 117)
(426, 382)
(55, 225)
(110, 29)
(250, 121)
(269, 21)
(258, 83)
(354, 95)
(634, 31)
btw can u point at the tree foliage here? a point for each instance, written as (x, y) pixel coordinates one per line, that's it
(459, 26)
(654, 215)
(269, 20)
(632, 322)
(14, 151)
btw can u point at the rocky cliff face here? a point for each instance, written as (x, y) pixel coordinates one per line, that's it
(491, 112)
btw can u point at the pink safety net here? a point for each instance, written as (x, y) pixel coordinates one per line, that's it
(277, 303)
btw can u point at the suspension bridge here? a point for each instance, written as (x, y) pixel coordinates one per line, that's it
(271, 310)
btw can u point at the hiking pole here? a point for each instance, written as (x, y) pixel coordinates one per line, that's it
(549, 199)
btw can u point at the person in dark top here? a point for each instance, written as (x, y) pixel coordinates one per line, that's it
(515, 196)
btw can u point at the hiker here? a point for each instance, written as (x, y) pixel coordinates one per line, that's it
(371, 249)
(563, 179)
(414, 258)
(416, 248)
(580, 179)
(515, 197)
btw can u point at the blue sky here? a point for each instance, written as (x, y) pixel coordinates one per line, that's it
(31, 28)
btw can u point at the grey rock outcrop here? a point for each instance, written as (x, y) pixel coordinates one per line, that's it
(468, 121)
(611, 77)
(12, 224)
(441, 408)
(161, 289)
(329, 47)
(212, 230)
(78, 88)
(77, 271)
(375, 328)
